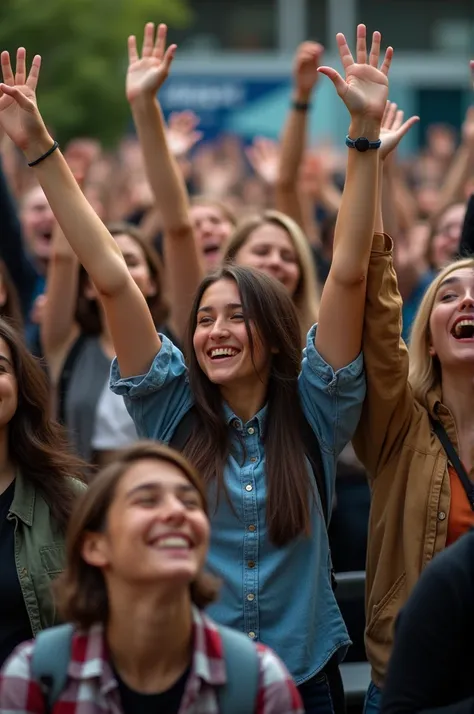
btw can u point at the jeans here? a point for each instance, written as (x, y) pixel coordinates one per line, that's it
(373, 700)
(324, 693)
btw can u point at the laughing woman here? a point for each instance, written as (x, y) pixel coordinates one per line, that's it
(250, 396)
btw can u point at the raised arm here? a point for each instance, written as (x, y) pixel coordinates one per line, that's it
(293, 141)
(135, 339)
(145, 76)
(364, 91)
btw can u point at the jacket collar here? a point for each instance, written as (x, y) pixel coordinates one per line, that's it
(440, 411)
(23, 504)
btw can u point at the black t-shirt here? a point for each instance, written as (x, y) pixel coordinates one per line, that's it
(432, 665)
(167, 702)
(15, 626)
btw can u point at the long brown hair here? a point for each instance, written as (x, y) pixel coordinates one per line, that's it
(37, 445)
(268, 306)
(88, 314)
(81, 590)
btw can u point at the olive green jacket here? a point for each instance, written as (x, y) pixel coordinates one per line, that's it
(39, 551)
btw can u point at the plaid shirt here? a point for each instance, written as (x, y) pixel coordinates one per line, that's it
(93, 689)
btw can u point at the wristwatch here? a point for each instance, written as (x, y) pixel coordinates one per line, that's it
(362, 143)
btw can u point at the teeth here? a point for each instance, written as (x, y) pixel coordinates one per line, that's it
(173, 542)
(463, 323)
(223, 352)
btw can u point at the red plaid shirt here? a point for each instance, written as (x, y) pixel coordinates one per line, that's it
(92, 687)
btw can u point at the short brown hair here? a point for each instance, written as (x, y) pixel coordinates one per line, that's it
(81, 591)
(88, 315)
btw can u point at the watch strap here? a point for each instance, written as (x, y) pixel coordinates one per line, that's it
(362, 143)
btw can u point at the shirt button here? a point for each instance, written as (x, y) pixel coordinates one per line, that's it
(236, 423)
(248, 487)
(252, 635)
(250, 430)
(252, 529)
(441, 516)
(253, 459)
(250, 597)
(251, 564)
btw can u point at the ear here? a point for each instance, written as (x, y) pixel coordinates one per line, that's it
(94, 550)
(432, 351)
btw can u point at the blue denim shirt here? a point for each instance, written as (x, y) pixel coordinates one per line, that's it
(281, 596)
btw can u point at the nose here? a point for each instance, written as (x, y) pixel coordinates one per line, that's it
(467, 302)
(172, 510)
(219, 329)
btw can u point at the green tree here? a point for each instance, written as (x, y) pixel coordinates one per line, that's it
(83, 45)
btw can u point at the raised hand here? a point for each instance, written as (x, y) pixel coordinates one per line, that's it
(305, 71)
(181, 133)
(393, 128)
(145, 75)
(19, 115)
(364, 90)
(264, 157)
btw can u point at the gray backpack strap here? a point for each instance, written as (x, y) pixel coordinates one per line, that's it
(50, 661)
(239, 694)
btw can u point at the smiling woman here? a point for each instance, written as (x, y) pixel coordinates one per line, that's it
(136, 544)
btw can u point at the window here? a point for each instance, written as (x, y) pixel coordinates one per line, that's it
(317, 21)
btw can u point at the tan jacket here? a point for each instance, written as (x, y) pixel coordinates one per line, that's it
(406, 463)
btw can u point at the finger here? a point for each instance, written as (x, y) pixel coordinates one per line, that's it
(336, 79)
(32, 81)
(361, 44)
(169, 57)
(344, 51)
(20, 74)
(391, 114)
(160, 44)
(132, 49)
(148, 38)
(18, 96)
(385, 113)
(406, 126)
(387, 60)
(375, 49)
(398, 120)
(7, 69)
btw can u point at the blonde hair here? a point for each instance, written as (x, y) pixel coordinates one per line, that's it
(306, 295)
(225, 210)
(425, 369)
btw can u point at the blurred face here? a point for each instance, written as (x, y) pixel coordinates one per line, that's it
(445, 242)
(221, 342)
(452, 320)
(8, 385)
(137, 264)
(270, 249)
(211, 229)
(37, 222)
(156, 529)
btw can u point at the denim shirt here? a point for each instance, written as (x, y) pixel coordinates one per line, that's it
(281, 596)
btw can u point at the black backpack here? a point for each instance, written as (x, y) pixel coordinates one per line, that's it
(310, 441)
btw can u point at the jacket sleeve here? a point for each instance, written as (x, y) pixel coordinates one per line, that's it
(389, 404)
(12, 250)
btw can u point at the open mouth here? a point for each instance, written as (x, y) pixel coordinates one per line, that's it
(222, 353)
(211, 249)
(172, 543)
(463, 330)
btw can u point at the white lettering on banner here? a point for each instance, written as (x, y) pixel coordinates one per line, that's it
(201, 96)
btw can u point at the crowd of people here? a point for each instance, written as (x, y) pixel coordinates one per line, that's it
(208, 404)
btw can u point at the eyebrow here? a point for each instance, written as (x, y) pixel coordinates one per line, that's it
(230, 305)
(5, 359)
(152, 486)
(449, 281)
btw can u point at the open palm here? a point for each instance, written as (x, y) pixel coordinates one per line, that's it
(393, 128)
(19, 115)
(145, 75)
(365, 88)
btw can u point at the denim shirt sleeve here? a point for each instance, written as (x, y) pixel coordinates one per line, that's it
(331, 401)
(158, 400)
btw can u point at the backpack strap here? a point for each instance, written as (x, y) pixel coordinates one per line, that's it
(239, 693)
(50, 661)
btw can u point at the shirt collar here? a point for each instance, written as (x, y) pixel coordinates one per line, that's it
(232, 419)
(23, 504)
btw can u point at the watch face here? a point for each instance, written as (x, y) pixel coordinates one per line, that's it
(362, 144)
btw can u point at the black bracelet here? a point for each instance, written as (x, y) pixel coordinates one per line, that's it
(301, 106)
(45, 156)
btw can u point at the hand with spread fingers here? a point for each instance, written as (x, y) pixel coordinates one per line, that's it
(147, 73)
(182, 134)
(393, 129)
(19, 115)
(364, 90)
(264, 156)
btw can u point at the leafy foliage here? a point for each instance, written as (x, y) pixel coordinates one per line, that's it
(83, 44)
